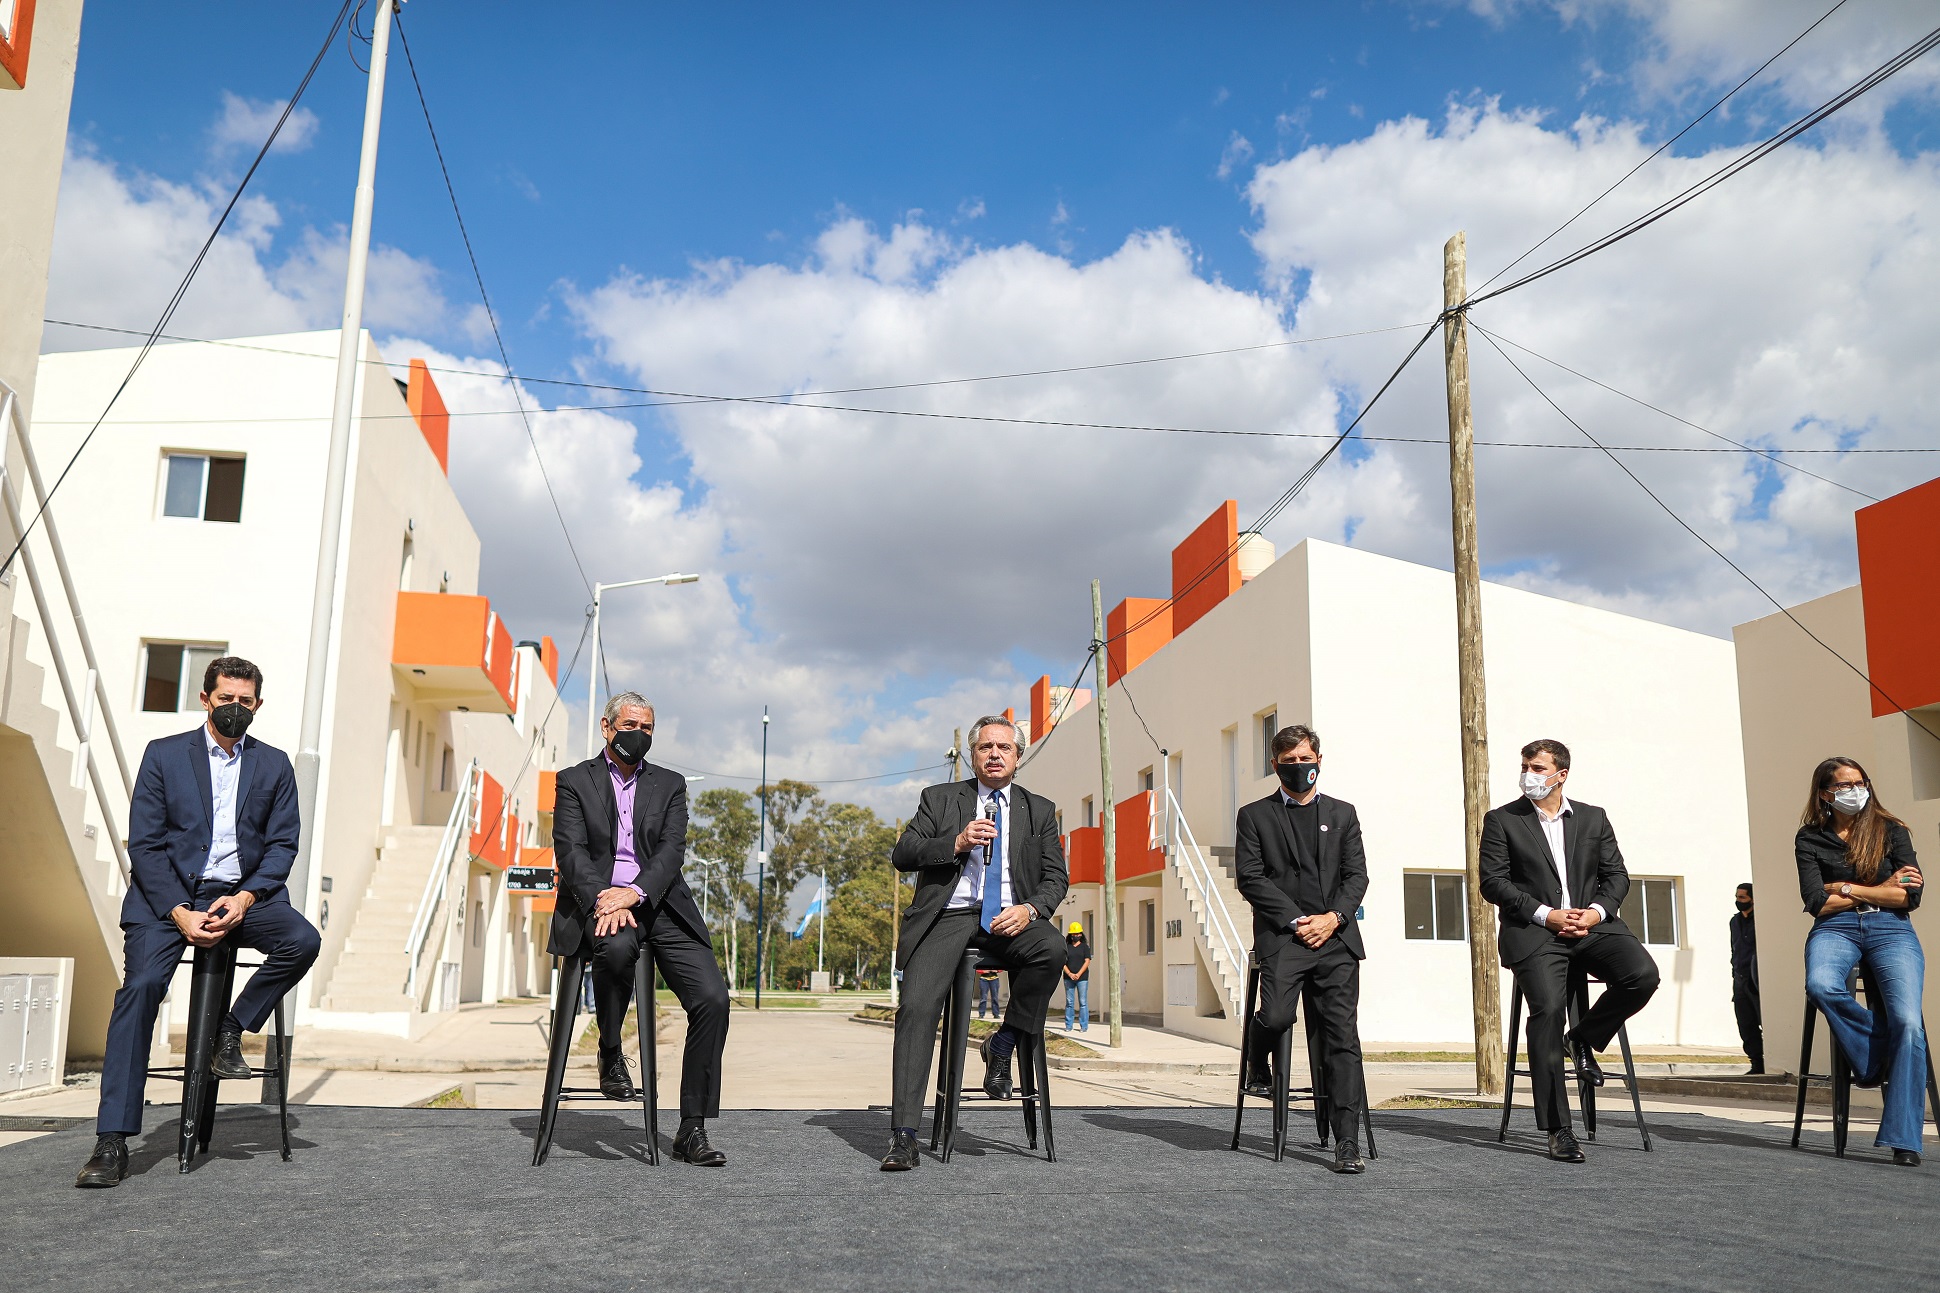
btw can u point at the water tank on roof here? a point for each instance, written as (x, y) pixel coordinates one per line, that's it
(1255, 554)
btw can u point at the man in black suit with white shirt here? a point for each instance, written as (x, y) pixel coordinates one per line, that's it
(1302, 867)
(990, 871)
(1553, 870)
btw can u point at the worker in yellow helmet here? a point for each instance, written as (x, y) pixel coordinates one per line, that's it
(1077, 978)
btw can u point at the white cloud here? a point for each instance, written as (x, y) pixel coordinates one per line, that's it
(1238, 151)
(244, 124)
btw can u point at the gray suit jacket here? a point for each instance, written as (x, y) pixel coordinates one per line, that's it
(1038, 875)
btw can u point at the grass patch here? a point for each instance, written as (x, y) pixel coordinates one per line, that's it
(449, 1098)
(1614, 1058)
(1433, 1102)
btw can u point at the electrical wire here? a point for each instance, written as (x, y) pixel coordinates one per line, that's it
(539, 728)
(1064, 704)
(1715, 550)
(182, 288)
(819, 781)
(491, 315)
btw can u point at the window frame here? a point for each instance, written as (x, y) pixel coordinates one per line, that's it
(1436, 900)
(188, 683)
(208, 460)
(1267, 721)
(1634, 911)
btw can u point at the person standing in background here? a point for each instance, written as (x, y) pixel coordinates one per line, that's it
(987, 993)
(1744, 981)
(1077, 978)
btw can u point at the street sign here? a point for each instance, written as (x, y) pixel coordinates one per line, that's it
(529, 879)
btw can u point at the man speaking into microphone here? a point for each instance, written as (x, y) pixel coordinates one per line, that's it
(990, 873)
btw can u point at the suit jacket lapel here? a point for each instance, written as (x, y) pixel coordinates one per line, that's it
(1329, 845)
(248, 747)
(641, 785)
(1573, 851)
(1279, 814)
(1533, 831)
(1014, 832)
(603, 788)
(197, 750)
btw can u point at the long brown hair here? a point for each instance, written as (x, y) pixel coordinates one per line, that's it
(1866, 843)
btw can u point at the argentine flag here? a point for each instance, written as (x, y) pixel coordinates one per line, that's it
(815, 905)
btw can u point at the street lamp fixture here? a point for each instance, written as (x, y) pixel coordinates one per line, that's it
(593, 673)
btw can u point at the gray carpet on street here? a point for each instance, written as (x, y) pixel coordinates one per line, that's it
(1139, 1199)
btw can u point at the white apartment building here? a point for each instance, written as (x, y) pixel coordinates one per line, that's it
(1362, 648)
(192, 525)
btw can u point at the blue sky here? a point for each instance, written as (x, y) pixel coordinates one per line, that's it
(739, 198)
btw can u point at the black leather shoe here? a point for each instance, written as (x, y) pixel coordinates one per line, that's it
(691, 1147)
(1587, 1069)
(110, 1164)
(229, 1062)
(615, 1084)
(1347, 1158)
(996, 1073)
(1901, 1158)
(903, 1154)
(1259, 1084)
(1563, 1147)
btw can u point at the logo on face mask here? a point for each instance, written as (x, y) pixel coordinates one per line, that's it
(231, 720)
(1298, 778)
(632, 745)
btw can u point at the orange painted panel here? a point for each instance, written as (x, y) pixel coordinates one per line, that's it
(441, 629)
(498, 658)
(1899, 583)
(1138, 854)
(13, 54)
(428, 410)
(549, 657)
(548, 790)
(1041, 708)
(1084, 853)
(487, 840)
(1205, 567)
(1136, 627)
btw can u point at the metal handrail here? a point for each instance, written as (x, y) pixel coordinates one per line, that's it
(439, 880)
(1219, 919)
(9, 408)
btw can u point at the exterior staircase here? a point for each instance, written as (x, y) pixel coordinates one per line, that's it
(370, 975)
(1222, 924)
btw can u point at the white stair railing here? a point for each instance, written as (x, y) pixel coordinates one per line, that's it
(438, 883)
(1195, 874)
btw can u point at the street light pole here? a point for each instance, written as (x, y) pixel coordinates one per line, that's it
(593, 674)
(761, 867)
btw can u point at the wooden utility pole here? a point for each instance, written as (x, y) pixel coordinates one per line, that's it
(956, 750)
(1484, 983)
(1108, 818)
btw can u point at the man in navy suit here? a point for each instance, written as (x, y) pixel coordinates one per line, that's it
(211, 835)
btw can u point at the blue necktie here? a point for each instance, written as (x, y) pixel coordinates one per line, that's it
(993, 875)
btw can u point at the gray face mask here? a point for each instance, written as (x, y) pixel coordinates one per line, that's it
(1851, 800)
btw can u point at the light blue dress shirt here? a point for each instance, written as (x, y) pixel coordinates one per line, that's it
(969, 890)
(225, 776)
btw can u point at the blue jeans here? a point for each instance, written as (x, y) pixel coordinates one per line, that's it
(1887, 1043)
(1077, 997)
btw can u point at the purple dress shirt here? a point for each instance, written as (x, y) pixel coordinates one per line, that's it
(626, 869)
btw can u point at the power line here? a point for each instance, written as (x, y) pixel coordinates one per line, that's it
(182, 288)
(1715, 550)
(819, 781)
(491, 316)
(1063, 709)
(1655, 153)
(1872, 80)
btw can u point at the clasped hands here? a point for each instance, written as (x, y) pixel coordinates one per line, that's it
(1572, 922)
(614, 910)
(981, 833)
(1315, 930)
(207, 928)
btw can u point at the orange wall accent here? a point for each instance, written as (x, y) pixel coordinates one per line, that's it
(1211, 551)
(549, 657)
(1041, 708)
(485, 844)
(548, 791)
(1131, 647)
(1137, 855)
(1084, 853)
(440, 629)
(498, 659)
(428, 409)
(1899, 584)
(13, 57)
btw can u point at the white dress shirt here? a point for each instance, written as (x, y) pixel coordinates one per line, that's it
(969, 890)
(1553, 832)
(225, 774)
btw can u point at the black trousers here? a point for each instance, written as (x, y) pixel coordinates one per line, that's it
(1329, 977)
(150, 952)
(686, 962)
(1621, 962)
(1751, 1024)
(1035, 959)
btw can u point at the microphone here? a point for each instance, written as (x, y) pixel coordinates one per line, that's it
(985, 813)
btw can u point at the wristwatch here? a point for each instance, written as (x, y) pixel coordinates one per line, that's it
(1845, 891)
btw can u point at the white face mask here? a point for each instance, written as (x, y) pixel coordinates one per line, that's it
(1535, 785)
(1851, 800)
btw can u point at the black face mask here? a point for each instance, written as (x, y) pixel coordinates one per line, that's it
(1742, 905)
(231, 720)
(632, 745)
(1298, 778)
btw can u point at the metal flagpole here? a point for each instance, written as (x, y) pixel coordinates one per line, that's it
(761, 868)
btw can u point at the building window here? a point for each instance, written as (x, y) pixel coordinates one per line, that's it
(1148, 927)
(1091, 812)
(1650, 909)
(1144, 778)
(444, 771)
(1434, 905)
(1269, 728)
(172, 675)
(202, 487)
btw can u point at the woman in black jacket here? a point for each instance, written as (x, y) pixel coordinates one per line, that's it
(1859, 879)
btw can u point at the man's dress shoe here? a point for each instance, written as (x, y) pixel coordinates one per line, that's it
(996, 1073)
(1347, 1158)
(691, 1147)
(1905, 1158)
(1586, 1066)
(229, 1062)
(1563, 1147)
(1259, 1081)
(903, 1154)
(614, 1082)
(108, 1166)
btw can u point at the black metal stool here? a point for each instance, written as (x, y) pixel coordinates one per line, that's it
(1841, 1075)
(565, 1013)
(1578, 990)
(1283, 1090)
(212, 983)
(1034, 1072)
